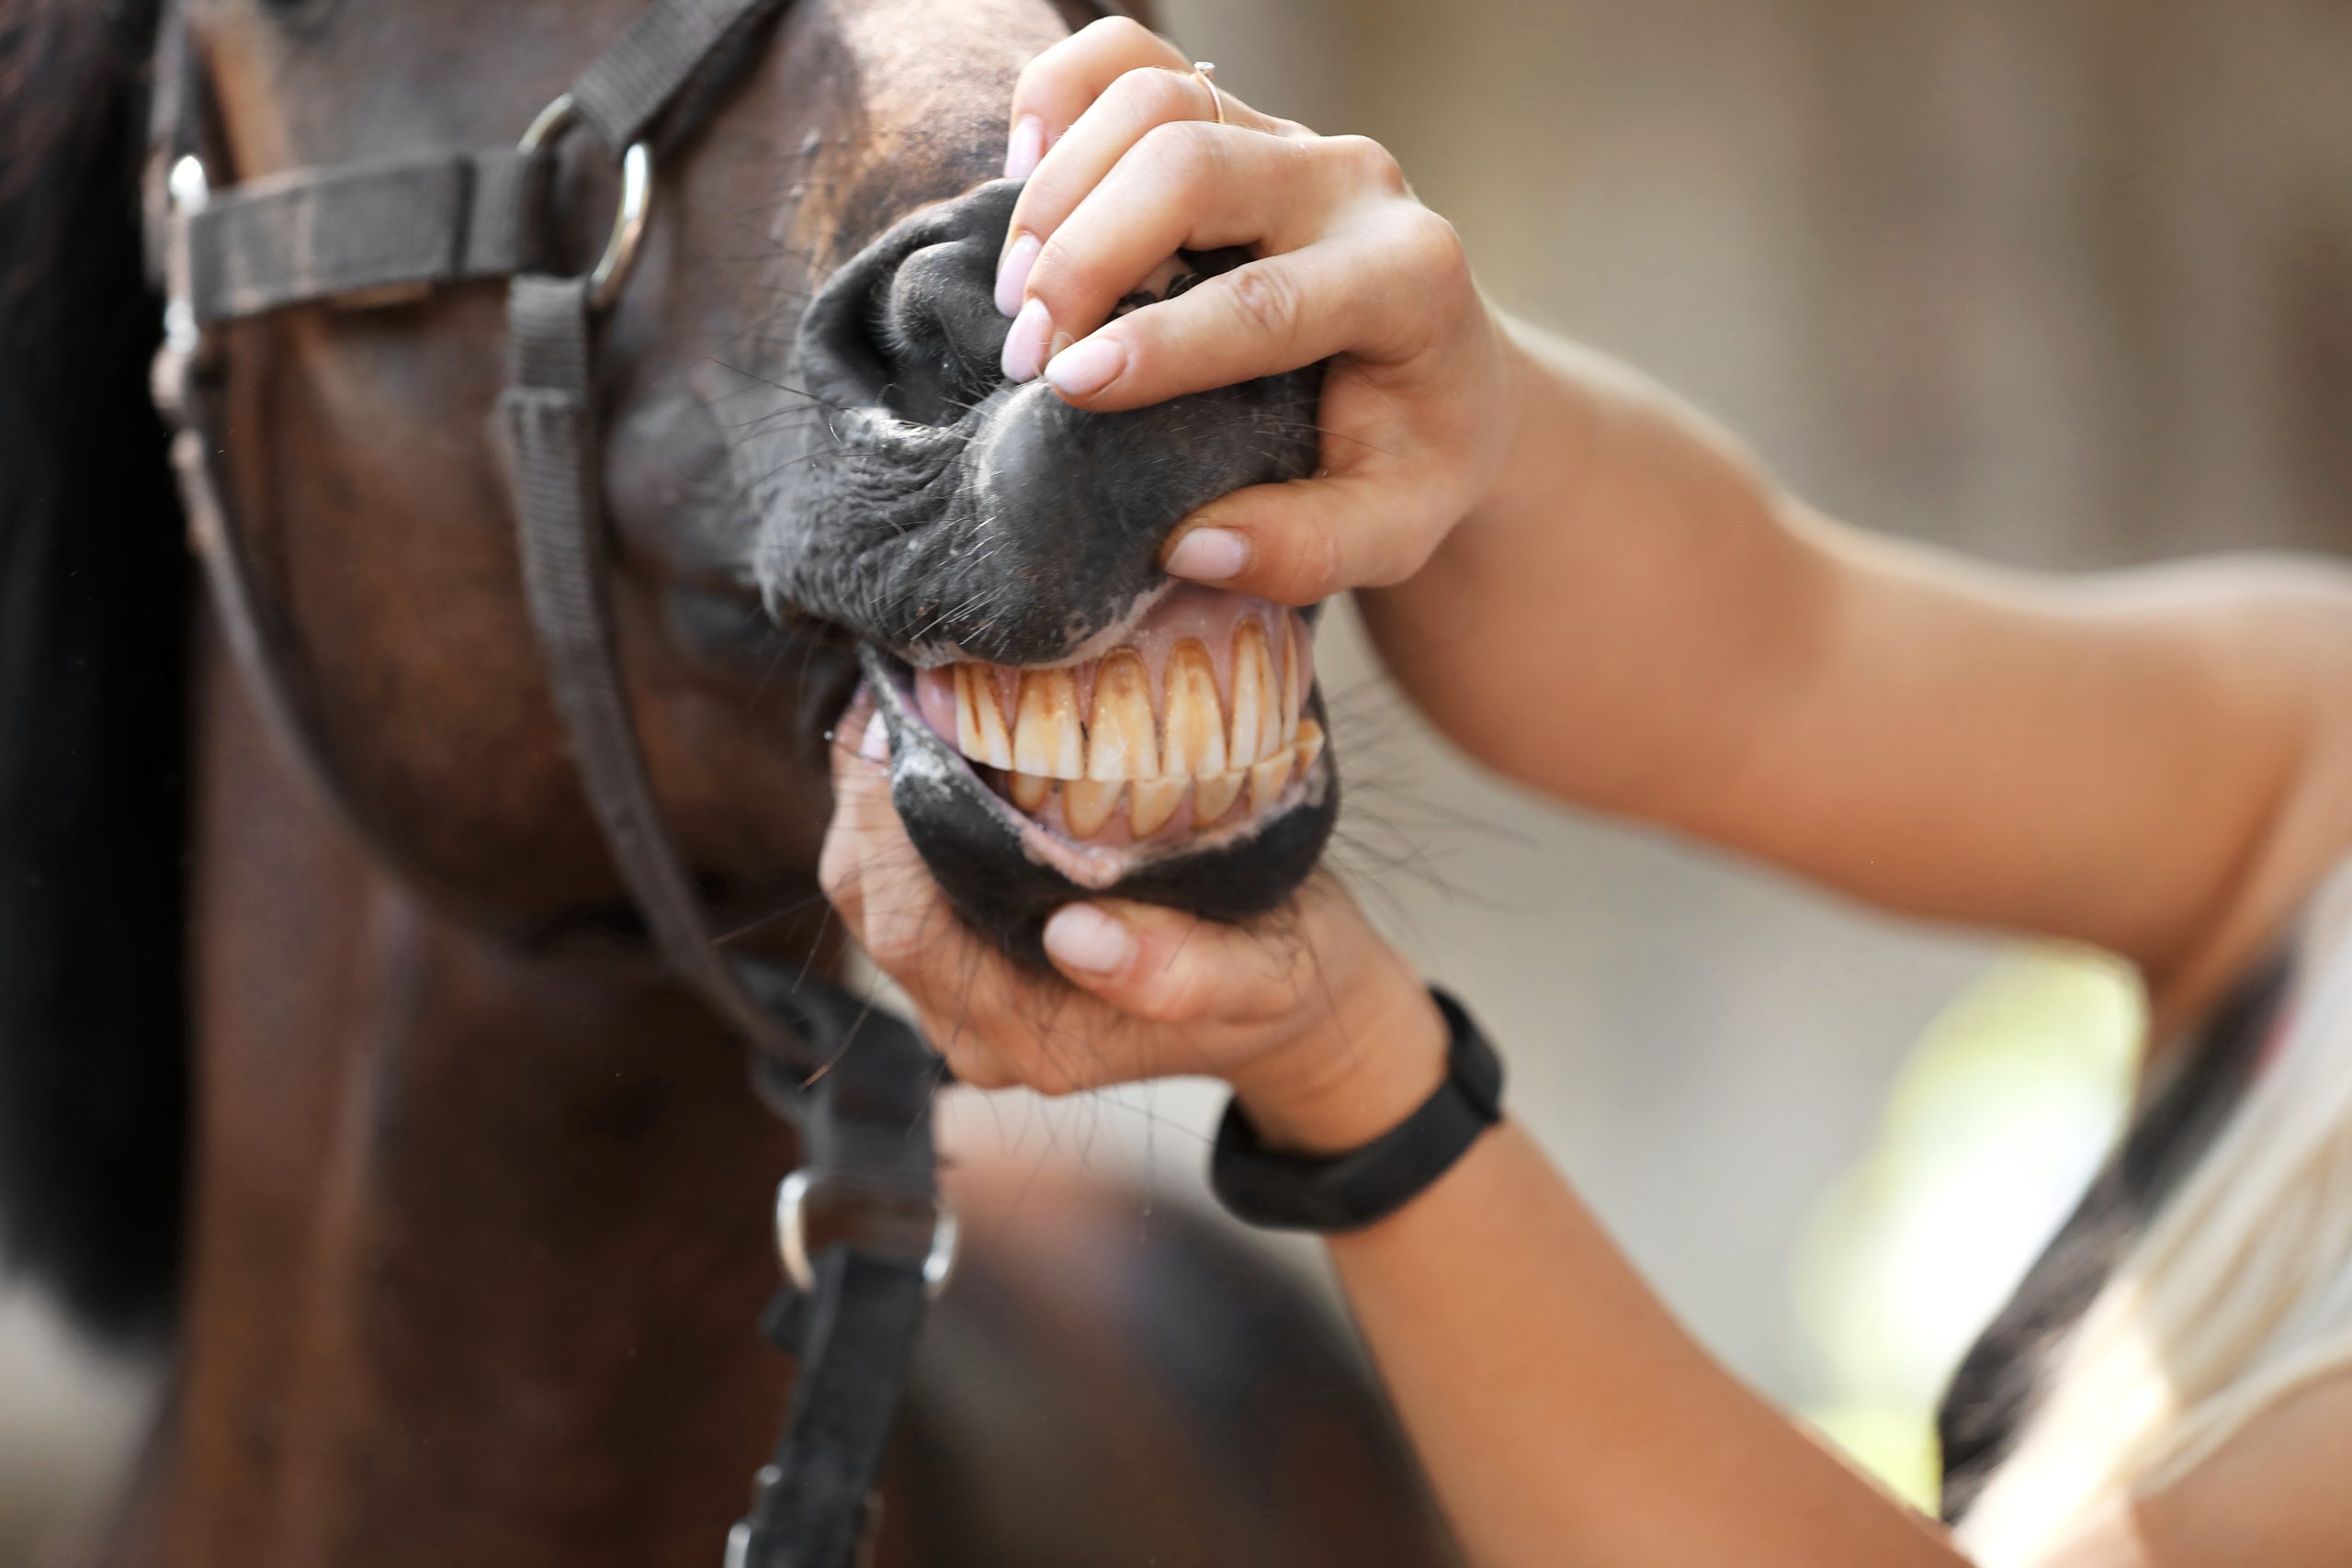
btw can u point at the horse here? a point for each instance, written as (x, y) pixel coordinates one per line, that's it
(334, 1054)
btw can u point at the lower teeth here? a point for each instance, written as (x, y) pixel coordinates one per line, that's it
(1088, 805)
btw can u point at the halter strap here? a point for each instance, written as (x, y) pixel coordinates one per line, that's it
(858, 1083)
(384, 230)
(390, 228)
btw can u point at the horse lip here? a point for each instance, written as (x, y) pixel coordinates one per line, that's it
(917, 748)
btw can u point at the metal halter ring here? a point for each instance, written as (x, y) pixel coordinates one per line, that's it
(612, 268)
(792, 1236)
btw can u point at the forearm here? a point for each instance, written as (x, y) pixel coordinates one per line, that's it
(1561, 1414)
(1592, 626)
(1637, 621)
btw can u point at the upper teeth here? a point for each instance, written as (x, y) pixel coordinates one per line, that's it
(1188, 739)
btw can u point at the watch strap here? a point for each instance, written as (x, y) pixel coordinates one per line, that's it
(1351, 1191)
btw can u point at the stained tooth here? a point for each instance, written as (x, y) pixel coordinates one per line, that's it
(1029, 791)
(1086, 804)
(1045, 735)
(1310, 743)
(1293, 683)
(1123, 742)
(1213, 794)
(1267, 778)
(1195, 718)
(1256, 702)
(1151, 802)
(979, 723)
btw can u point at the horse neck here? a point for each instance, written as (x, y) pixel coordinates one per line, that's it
(479, 1233)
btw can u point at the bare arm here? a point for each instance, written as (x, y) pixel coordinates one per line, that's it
(1592, 590)
(1611, 605)
(1562, 1414)
(1565, 1417)
(2157, 761)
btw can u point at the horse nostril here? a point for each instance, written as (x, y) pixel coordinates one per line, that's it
(909, 323)
(939, 328)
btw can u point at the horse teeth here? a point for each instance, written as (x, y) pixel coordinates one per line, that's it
(1123, 742)
(1310, 744)
(1154, 756)
(1195, 727)
(1213, 794)
(1257, 704)
(1047, 737)
(1151, 802)
(1029, 791)
(980, 722)
(1086, 804)
(1267, 778)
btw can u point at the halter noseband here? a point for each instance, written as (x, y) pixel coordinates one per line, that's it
(858, 1082)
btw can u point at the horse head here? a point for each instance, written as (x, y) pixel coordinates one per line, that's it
(472, 1215)
(811, 463)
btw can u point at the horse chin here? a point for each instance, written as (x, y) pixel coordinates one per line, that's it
(1009, 846)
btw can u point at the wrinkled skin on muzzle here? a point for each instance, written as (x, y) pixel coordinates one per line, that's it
(944, 516)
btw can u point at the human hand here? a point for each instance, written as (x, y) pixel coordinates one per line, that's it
(1324, 1032)
(1127, 164)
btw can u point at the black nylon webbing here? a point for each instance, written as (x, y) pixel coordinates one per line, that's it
(858, 1334)
(418, 221)
(549, 414)
(632, 83)
(345, 235)
(393, 224)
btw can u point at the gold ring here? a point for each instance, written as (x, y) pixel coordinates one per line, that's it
(1205, 71)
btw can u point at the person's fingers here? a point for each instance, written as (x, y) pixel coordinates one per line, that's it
(1121, 113)
(1320, 283)
(1139, 116)
(1372, 289)
(1058, 86)
(1169, 968)
(1304, 540)
(876, 882)
(860, 785)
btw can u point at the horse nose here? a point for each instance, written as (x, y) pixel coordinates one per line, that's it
(911, 323)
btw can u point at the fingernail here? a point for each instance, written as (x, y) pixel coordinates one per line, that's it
(1081, 937)
(1208, 555)
(1024, 346)
(1013, 272)
(1027, 146)
(1085, 368)
(875, 746)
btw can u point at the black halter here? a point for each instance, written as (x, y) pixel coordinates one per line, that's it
(857, 1082)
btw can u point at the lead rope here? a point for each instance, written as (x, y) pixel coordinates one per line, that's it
(858, 1083)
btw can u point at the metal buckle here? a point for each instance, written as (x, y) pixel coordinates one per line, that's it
(187, 346)
(738, 1540)
(190, 191)
(612, 268)
(792, 1236)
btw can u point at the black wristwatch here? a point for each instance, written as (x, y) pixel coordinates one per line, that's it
(1349, 1191)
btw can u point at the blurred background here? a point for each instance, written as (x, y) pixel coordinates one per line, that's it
(2064, 283)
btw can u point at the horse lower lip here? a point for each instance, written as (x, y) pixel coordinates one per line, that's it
(1195, 719)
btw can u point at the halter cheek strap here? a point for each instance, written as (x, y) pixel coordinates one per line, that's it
(859, 1083)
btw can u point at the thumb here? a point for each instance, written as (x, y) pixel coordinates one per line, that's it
(1172, 967)
(1308, 539)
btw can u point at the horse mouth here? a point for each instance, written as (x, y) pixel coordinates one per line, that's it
(1194, 729)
